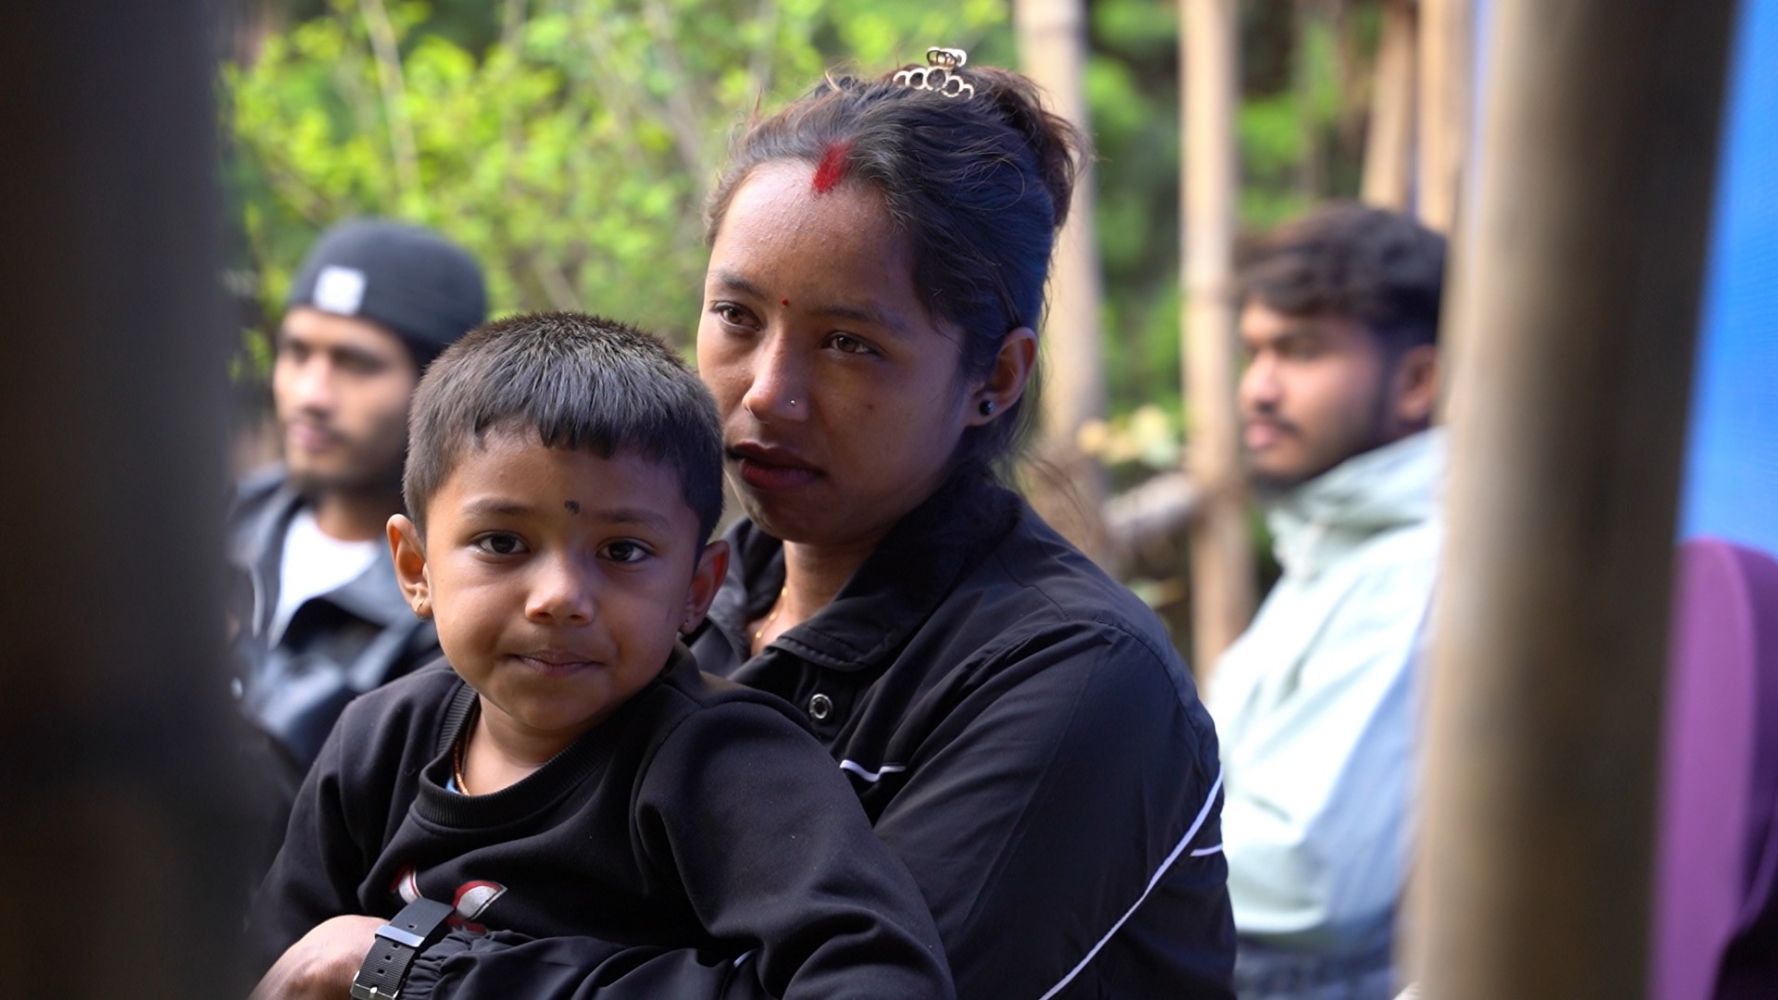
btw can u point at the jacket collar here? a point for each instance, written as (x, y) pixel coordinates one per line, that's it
(915, 567)
(257, 545)
(1396, 485)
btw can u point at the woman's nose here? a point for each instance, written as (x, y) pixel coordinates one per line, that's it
(778, 391)
(561, 593)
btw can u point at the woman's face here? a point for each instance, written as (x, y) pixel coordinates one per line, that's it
(841, 398)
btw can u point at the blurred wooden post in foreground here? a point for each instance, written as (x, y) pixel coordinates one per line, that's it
(1446, 72)
(1221, 549)
(120, 820)
(1052, 50)
(1588, 235)
(1389, 145)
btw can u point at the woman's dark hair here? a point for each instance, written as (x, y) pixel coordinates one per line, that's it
(979, 186)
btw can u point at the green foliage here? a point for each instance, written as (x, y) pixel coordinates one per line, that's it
(569, 143)
(569, 149)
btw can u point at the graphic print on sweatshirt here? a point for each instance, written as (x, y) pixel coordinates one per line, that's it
(471, 900)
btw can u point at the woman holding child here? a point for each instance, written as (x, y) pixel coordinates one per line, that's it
(1017, 726)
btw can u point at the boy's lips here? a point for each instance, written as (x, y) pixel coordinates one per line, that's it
(556, 662)
(771, 469)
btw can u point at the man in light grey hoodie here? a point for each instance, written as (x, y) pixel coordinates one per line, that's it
(1314, 703)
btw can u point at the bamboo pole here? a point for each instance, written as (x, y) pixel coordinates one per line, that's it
(119, 821)
(1447, 70)
(1389, 144)
(1588, 241)
(1052, 50)
(1221, 548)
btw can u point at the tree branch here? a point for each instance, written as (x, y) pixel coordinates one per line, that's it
(394, 88)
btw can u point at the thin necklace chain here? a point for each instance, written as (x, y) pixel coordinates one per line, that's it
(777, 606)
(460, 752)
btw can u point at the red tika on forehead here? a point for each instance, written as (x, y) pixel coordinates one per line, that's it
(833, 167)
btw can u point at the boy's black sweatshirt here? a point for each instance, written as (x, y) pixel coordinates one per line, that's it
(701, 815)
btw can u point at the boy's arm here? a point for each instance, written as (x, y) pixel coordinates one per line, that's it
(750, 815)
(779, 861)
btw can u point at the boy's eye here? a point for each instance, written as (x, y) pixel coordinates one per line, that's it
(499, 543)
(625, 552)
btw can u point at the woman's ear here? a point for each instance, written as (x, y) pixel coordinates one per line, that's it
(706, 580)
(409, 552)
(1006, 381)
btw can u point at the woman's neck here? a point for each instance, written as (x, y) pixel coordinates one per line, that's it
(813, 575)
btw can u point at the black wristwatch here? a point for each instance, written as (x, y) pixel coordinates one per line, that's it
(419, 925)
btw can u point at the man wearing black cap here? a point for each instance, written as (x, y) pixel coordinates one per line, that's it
(319, 618)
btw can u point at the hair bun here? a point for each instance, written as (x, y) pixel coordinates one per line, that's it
(1054, 141)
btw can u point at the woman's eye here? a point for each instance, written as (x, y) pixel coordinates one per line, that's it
(847, 344)
(500, 544)
(625, 552)
(730, 313)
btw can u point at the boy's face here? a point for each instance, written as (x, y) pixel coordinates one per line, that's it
(558, 579)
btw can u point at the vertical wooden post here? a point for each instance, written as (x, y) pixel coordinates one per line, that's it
(1052, 50)
(1221, 552)
(119, 819)
(1389, 145)
(1447, 69)
(1588, 240)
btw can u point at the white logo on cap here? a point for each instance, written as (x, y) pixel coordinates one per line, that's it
(339, 290)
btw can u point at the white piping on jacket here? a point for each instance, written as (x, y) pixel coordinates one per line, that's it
(871, 776)
(1209, 800)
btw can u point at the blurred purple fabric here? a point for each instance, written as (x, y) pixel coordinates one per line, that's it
(1715, 929)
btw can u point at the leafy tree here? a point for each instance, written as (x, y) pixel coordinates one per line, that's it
(567, 145)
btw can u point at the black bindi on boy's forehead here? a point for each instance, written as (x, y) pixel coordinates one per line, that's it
(573, 506)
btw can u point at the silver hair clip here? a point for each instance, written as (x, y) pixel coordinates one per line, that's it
(939, 73)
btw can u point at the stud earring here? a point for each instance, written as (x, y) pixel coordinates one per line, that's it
(987, 407)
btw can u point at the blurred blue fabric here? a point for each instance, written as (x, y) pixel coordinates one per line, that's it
(1731, 479)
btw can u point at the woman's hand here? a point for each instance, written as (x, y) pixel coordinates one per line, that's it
(321, 965)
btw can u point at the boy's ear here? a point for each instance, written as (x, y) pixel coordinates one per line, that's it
(706, 580)
(409, 553)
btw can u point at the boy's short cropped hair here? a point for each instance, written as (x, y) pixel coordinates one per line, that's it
(580, 383)
(1378, 267)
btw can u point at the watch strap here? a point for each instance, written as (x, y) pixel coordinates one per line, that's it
(417, 927)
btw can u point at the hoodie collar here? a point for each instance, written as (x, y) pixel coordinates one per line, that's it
(913, 569)
(1321, 520)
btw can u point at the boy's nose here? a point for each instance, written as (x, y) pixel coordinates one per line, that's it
(560, 594)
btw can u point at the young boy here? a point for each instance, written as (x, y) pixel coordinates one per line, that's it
(569, 772)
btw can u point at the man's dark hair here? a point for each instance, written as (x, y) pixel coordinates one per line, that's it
(581, 383)
(1380, 268)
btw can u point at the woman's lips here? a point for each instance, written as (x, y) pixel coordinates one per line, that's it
(771, 469)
